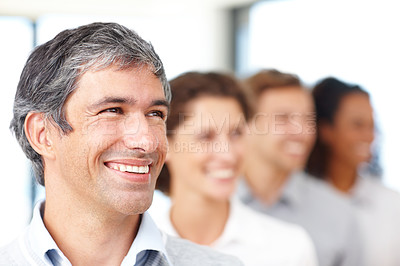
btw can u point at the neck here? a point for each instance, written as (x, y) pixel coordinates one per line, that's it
(341, 175)
(203, 224)
(85, 235)
(264, 179)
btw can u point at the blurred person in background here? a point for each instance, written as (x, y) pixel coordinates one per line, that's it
(282, 134)
(206, 129)
(345, 133)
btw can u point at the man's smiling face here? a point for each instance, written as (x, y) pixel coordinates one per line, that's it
(112, 157)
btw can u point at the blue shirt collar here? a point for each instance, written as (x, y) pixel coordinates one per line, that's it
(149, 237)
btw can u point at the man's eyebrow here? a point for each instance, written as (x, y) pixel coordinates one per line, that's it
(160, 102)
(108, 100)
(130, 101)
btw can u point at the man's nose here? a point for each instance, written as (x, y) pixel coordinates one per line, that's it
(138, 134)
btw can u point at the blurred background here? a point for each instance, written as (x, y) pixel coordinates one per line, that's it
(356, 41)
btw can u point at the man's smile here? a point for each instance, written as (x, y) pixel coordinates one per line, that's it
(136, 170)
(129, 168)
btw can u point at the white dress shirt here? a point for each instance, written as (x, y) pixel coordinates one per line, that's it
(254, 238)
(39, 248)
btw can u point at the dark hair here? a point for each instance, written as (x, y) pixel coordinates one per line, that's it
(327, 94)
(267, 79)
(52, 73)
(190, 86)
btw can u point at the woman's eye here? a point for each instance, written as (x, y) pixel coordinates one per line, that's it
(237, 133)
(205, 136)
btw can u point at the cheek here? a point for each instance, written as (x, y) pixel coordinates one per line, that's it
(239, 149)
(310, 140)
(101, 133)
(97, 143)
(259, 125)
(195, 155)
(103, 126)
(342, 143)
(160, 134)
(186, 166)
(262, 143)
(163, 146)
(346, 138)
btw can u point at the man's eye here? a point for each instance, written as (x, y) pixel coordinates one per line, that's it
(282, 118)
(116, 110)
(157, 114)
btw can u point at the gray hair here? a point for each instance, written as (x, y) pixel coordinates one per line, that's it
(52, 71)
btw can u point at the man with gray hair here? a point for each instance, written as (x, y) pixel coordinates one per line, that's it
(90, 112)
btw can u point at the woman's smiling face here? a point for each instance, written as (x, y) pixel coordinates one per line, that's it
(206, 150)
(352, 132)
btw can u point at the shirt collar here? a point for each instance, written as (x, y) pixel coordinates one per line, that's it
(149, 237)
(40, 240)
(243, 191)
(291, 192)
(362, 191)
(233, 225)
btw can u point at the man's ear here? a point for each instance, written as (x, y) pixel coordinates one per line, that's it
(38, 133)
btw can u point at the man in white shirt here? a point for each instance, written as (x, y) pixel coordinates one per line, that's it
(89, 113)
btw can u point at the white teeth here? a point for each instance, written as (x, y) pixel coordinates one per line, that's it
(222, 174)
(122, 168)
(135, 169)
(131, 168)
(143, 169)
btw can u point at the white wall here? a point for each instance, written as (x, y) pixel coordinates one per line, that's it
(16, 43)
(354, 40)
(191, 41)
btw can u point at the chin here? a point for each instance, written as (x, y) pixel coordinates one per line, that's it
(297, 164)
(134, 205)
(223, 195)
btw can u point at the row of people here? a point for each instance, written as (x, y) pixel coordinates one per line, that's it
(207, 130)
(216, 164)
(91, 112)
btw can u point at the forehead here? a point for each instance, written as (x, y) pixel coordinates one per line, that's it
(211, 111)
(134, 83)
(355, 104)
(286, 99)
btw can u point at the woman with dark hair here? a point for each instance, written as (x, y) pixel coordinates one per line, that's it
(345, 132)
(206, 130)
